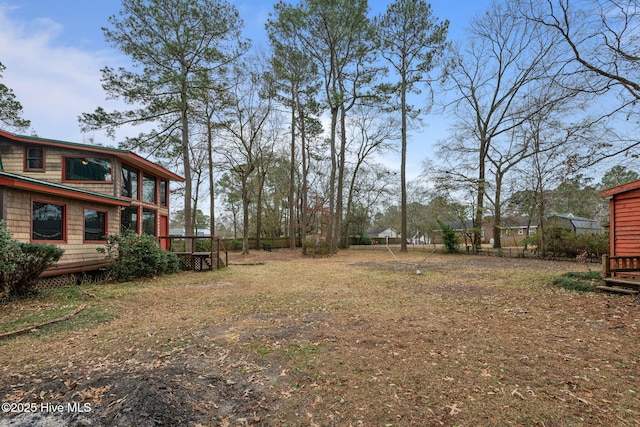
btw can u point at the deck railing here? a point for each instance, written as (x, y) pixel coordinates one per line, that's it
(195, 252)
(620, 264)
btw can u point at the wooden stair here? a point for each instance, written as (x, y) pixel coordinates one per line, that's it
(620, 286)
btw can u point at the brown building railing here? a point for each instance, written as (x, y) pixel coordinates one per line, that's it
(197, 253)
(620, 264)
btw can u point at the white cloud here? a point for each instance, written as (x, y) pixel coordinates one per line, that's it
(54, 83)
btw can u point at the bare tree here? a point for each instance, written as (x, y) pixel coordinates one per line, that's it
(243, 130)
(556, 137)
(370, 132)
(267, 159)
(337, 36)
(212, 99)
(491, 81)
(603, 54)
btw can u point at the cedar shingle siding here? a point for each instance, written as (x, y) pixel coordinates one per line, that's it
(21, 186)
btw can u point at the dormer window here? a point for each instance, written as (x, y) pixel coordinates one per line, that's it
(97, 169)
(34, 159)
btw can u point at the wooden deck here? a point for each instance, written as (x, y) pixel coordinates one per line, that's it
(621, 274)
(196, 261)
(197, 253)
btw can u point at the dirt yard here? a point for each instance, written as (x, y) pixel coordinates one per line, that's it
(359, 339)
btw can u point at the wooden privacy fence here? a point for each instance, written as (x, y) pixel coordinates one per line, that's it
(197, 253)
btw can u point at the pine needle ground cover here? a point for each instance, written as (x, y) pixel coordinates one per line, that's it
(360, 338)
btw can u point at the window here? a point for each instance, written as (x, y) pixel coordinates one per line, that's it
(129, 219)
(95, 225)
(129, 185)
(34, 159)
(148, 188)
(87, 169)
(163, 192)
(149, 222)
(48, 222)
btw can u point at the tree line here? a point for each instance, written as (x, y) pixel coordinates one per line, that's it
(289, 139)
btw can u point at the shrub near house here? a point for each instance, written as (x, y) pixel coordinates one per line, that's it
(22, 263)
(136, 256)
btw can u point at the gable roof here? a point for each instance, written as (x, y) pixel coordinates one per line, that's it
(610, 192)
(39, 186)
(378, 230)
(124, 155)
(579, 223)
(520, 221)
(460, 225)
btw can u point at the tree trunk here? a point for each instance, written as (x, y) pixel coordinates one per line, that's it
(245, 214)
(261, 180)
(349, 210)
(186, 159)
(340, 184)
(304, 215)
(541, 209)
(332, 184)
(212, 194)
(292, 172)
(403, 168)
(478, 217)
(497, 214)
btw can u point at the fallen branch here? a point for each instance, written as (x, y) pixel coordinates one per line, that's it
(40, 325)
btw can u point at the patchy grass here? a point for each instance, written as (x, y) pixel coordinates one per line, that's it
(47, 305)
(355, 339)
(579, 281)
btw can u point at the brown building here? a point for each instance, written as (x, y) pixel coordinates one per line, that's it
(73, 195)
(624, 219)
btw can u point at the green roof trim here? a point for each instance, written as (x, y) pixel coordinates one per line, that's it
(124, 155)
(62, 187)
(72, 144)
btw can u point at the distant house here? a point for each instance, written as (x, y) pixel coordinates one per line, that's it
(420, 238)
(73, 195)
(382, 233)
(575, 223)
(513, 230)
(464, 230)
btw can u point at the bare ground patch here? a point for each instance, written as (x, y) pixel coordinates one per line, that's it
(357, 339)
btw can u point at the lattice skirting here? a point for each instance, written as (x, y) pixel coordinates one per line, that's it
(70, 280)
(196, 262)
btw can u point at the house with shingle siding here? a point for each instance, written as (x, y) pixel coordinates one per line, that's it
(73, 195)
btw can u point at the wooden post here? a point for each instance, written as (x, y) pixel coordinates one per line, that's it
(218, 254)
(211, 252)
(606, 266)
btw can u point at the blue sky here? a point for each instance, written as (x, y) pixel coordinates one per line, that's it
(54, 50)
